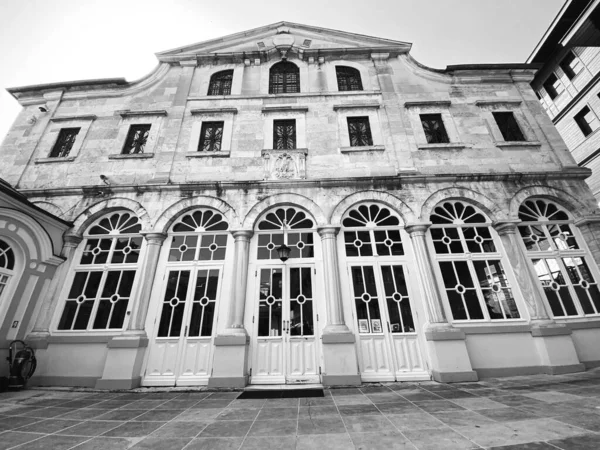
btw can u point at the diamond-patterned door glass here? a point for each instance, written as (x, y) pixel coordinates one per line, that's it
(397, 299)
(173, 305)
(461, 291)
(204, 303)
(301, 302)
(270, 308)
(112, 304)
(364, 287)
(555, 287)
(584, 284)
(497, 295)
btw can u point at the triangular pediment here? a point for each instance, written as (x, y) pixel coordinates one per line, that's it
(282, 35)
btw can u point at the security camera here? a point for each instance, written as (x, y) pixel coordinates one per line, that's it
(43, 109)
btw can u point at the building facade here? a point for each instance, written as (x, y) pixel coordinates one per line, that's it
(294, 204)
(568, 83)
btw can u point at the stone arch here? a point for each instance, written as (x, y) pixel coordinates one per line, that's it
(406, 213)
(51, 208)
(493, 210)
(280, 200)
(574, 206)
(171, 214)
(33, 239)
(85, 219)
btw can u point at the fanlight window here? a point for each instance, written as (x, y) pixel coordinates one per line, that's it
(476, 284)
(370, 230)
(7, 263)
(299, 234)
(565, 269)
(284, 78)
(101, 288)
(199, 236)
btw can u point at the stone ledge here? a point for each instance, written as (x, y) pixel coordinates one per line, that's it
(341, 380)
(370, 105)
(428, 104)
(341, 338)
(496, 329)
(132, 156)
(284, 108)
(80, 339)
(197, 111)
(453, 334)
(223, 154)
(454, 377)
(227, 382)
(499, 101)
(550, 331)
(128, 342)
(57, 159)
(128, 113)
(447, 146)
(231, 340)
(503, 144)
(124, 384)
(582, 325)
(366, 148)
(73, 118)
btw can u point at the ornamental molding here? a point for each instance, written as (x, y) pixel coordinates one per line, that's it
(508, 102)
(428, 104)
(283, 108)
(284, 165)
(372, 105)
(73, 118)
(129, 113)
(208, 111)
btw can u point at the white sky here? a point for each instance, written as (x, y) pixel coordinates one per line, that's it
(45, 41)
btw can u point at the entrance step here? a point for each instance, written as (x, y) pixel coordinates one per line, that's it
(275, 387)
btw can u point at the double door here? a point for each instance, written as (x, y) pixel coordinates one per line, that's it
(284, 344)
(388, 343)
(181, 351)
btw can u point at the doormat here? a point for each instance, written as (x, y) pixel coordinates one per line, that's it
(281, 393)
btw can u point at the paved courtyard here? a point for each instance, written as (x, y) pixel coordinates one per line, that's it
(536, 412)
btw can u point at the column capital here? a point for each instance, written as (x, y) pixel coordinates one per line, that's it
(153, 237)
(72, 240)
(242, 234)
(504, 227)
(326, 231)
(417, 228)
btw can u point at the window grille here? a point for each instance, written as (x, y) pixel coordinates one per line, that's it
(359, 131)
(136, 139)
(475, 282)
(348, 79)
(508, 126)
(587, 121)
(300, 236)
(211, 136)
(284, 134)
(102, 284)
(564, 268)
(220, 83)
(64, 143)
(434, 129)
(284, 78)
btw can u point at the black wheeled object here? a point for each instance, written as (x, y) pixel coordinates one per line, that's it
(22, 362)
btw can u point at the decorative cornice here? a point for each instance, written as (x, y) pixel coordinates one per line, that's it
(132, 156)
(428, 104)
(496, 102)
(128, 113)
(370, 105)
(73, 118)
(283, 108)
(197, 111)
(363, 148)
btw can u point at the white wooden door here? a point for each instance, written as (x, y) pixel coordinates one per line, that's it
(182, 349)
(388, 344)
(284, 344)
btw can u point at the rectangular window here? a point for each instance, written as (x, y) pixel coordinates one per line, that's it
(64, 143)
(587, 121)
(571, 65)
(434, 129)
(508, 126)
(553, 86)
(359, 131)
(210, 137)
(284, 134)
(136, 139)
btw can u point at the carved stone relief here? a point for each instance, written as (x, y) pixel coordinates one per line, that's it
(284, 164)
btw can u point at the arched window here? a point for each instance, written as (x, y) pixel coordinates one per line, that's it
(284, 78)
(199, 237)
(99, 295)
(220, 83)
(348, 78)
(7, 265)
(470, 261)
(299, 234)
(564, 268)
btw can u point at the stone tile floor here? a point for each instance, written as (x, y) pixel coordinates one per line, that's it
(536, 412)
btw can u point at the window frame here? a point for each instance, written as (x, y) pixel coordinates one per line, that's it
(567, 67)
(212, 142)
(104, 269)
(222, 88)
(286, 72)
(511, 115)
(558, 255)
(130, 139)
(358, 136)
(346, 74)
(6, 285)
(583, 125)
(550, 85)
(61, 135)
(469, 258)
(284, 123)
(443, 134)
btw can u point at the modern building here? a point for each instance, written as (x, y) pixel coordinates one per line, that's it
(293, 204)
(568, 83)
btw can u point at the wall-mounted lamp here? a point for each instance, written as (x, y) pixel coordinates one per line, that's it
(283, 251)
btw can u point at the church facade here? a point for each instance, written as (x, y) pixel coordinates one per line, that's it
(294, 204)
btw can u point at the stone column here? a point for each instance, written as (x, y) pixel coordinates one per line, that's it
(418, 236)
(589, 227)
(338, 342)
(241, 254)
(331, 276)
(41, 329)
(523, 270)
(231, 346)
(147, 273)
(448, 354)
